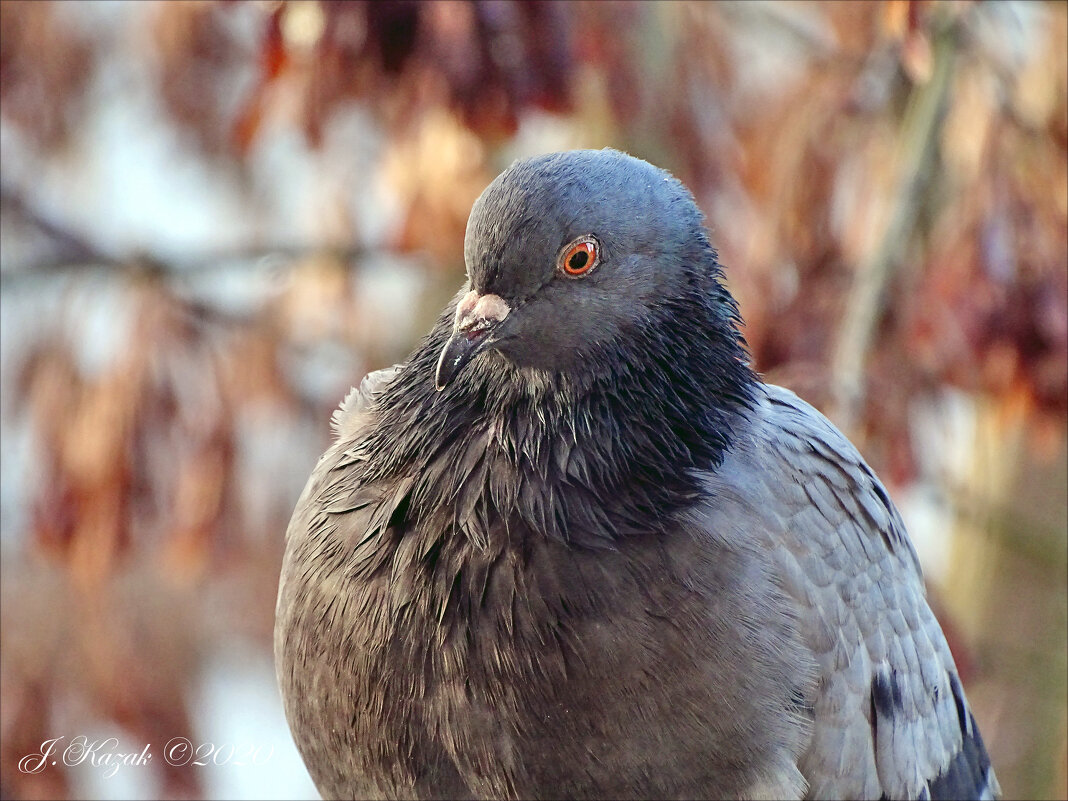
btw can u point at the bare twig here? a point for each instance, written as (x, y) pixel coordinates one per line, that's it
(864, 305)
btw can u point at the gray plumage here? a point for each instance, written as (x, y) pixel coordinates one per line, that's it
(574, 547)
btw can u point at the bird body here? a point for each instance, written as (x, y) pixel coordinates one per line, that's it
(574, 547)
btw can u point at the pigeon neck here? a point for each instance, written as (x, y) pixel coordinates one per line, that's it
(587, 460)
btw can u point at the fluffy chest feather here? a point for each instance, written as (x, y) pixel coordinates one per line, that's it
(511, 663)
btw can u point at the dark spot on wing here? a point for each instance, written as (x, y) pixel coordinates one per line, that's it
(958, 699)
(968, 773)
(886, 694)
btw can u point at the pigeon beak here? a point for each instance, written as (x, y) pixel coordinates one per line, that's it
(476, 317)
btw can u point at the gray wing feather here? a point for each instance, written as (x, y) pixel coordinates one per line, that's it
(347, 419)
(888, 716)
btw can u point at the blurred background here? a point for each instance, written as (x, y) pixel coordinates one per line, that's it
(217, 217)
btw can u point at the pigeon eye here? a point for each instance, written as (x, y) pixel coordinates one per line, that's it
(580, 257)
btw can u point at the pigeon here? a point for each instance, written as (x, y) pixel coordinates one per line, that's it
(575, 547)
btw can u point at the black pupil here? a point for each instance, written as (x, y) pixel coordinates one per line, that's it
(578, 261)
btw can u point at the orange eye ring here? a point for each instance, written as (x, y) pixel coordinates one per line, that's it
(580, 257)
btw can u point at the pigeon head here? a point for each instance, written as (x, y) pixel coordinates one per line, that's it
(571, 252)
(594, 355)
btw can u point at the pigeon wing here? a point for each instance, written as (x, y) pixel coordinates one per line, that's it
(889, 716)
